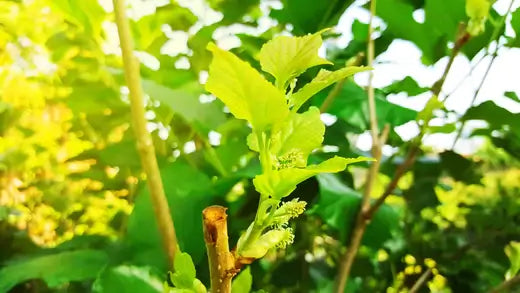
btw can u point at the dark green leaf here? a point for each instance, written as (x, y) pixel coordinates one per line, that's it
(352, 105)
(407, 85)
(460, 168)
(513, 96)
(309, 16)
(495, 115)
(338, 206)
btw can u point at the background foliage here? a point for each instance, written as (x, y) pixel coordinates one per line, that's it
(75, 215)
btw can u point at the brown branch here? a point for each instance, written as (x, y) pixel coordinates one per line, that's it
(221, 261)
(420, 282)
(144, 139)
(367, 211)
(349, 256)
(347, 260)
(399, 172)
(462, 38)
(508, 284)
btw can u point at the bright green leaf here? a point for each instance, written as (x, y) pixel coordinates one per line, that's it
(478, 11)
(243, 282)
(513, 253)
(446, 128)
(321, 81)
(244, 91)
(301, 133)
(184, 273)
(280, 183)
(426, 114)
(287, 57)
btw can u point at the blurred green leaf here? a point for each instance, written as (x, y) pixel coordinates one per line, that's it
(495, 115)
(338, 206)
(54, 269)
(234, 10)
(513, 253)
(185, 101)
(351, 105)
(128, 279)
(309, 16)
(460, 168)
(188, 192)
(86, 14)
(407, 85)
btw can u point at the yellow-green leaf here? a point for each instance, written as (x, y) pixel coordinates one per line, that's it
(513, 253)
(280, 183)
(244, 90)
(287, 57)
(321, 81)
(478, 12)
(300, 134)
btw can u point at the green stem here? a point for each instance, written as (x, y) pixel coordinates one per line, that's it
(260, 222)
(143, 137)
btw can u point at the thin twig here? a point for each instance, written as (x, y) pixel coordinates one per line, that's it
(367, 212)
(474, 98)
(420, 282)
(144, 139)
(462, 38)
(349, 256)
(508, 284)
(221, 260)
(494, 36)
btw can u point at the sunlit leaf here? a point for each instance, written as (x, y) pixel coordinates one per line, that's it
(287, 57)
(321, 81)
(301, 133)
(244, 91)
(513, 253)
(478, 11)
(280, 183)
